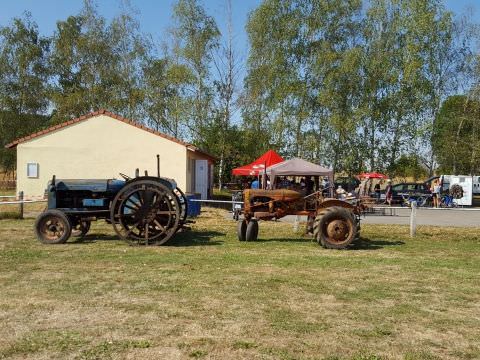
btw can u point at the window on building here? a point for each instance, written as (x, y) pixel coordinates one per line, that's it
(32, 170)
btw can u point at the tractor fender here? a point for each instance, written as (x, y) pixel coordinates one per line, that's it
(169, 183)
(329, 202)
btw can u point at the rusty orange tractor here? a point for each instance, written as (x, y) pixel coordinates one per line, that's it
(335, 224)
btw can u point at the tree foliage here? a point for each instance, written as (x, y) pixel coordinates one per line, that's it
(456, 136)
(353, 84)
(96, 64)
(196, 37)
(23, 83)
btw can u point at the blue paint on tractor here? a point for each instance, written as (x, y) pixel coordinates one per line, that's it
(94, 202)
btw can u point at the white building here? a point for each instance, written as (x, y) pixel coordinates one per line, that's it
(100, 145)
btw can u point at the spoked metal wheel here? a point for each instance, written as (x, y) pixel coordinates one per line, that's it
(145, 212)
(53, 227)
(182, 199)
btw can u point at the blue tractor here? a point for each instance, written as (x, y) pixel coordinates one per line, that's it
(144, 210)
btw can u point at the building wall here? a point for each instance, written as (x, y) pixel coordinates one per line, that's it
(98, 148)
(190, 184)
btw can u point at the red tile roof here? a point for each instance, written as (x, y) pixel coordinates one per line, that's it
(114, 116)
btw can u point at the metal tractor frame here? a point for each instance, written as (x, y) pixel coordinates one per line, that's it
(334, 223)
(144, 210)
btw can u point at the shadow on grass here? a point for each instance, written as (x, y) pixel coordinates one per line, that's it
(363, 244)
(299, 239)
(195, 238)
(183, 238)
(92, 238)
(367, 244)
(10, 215)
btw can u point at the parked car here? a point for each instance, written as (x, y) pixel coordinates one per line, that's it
(412, 189)
(408, 188)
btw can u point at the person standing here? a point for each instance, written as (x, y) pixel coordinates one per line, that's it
(361, 188)
(389, 192)
(436, 193)
(341, 193)
(309, 185)
(377, 191)
(369, 187)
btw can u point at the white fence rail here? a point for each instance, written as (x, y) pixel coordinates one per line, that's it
(413, 212)
(217, 201)
(20, 201)
(391, 209)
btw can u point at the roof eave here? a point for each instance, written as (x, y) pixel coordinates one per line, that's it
(112, 115)
(204, 153)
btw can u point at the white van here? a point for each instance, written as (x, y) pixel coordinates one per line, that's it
(476, 185)
(466, 182)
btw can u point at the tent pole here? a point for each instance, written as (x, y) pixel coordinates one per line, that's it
(264, 176)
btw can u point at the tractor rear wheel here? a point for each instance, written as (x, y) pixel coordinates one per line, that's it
(182, 199)
(242, 230)
(252, 230)
(356, 221)
(335, 227)
(53, 227)
(145, 212)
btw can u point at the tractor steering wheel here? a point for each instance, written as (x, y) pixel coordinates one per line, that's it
(126, 177)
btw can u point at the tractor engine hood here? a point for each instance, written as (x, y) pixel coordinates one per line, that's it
(279, 194)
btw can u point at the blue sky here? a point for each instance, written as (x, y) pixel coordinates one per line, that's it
(154, 15)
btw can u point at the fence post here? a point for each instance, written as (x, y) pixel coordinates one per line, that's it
(296, 223)
(20, 197)
(413, 219)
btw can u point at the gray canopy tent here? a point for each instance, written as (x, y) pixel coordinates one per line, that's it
(298, 167)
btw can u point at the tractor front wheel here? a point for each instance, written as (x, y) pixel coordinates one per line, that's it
(252, 230)
(335, 227)
(53, 227)
(242, 230)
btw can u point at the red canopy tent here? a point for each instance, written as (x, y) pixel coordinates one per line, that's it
(253, 169)
(373, 175)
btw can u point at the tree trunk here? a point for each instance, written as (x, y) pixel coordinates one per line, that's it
(454, 150)
(372, 146)
(395, 142)
(473, 158)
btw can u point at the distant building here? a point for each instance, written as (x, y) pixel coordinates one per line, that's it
(100, 145)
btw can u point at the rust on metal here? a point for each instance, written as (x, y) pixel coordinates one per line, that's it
(269, 204)
(333, 222)
(337, 230)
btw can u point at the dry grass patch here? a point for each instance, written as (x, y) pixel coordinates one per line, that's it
(12, 211)
(206, 295)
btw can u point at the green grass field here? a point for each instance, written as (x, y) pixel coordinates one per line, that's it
(207, 295)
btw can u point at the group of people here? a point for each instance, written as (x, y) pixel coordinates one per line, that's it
(365, 189)
(435, 189)
(367, 186)
(306, 184)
